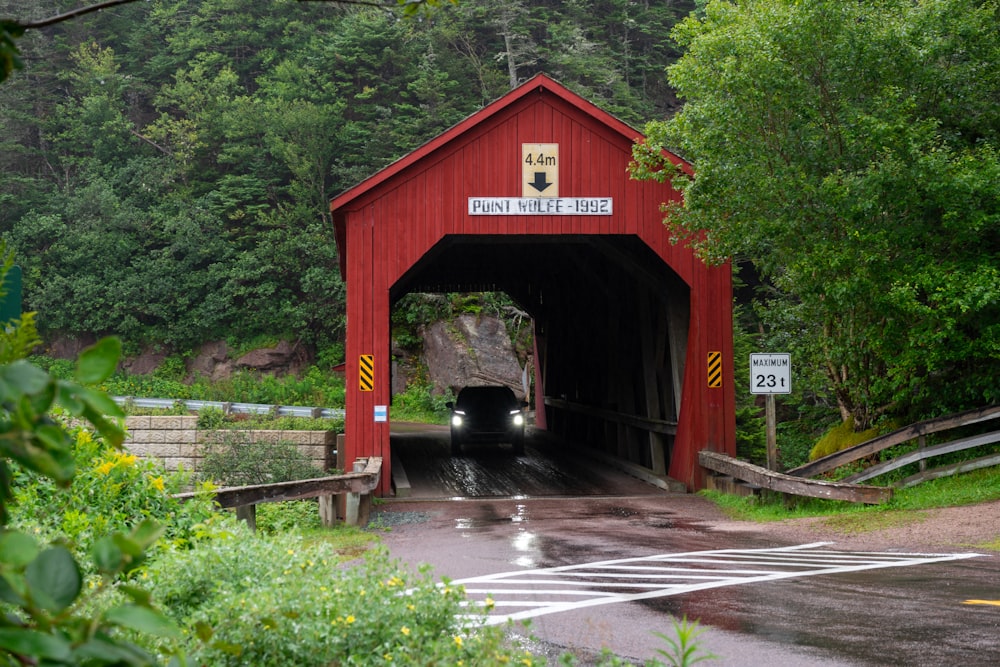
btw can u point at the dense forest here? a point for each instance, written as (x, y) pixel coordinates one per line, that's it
(167, 165)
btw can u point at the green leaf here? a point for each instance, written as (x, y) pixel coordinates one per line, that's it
(128, 545)
(138, 595)
(99, 361)
(10, 583)
(34, 644)
(203, 631)
(107, 556)
(21, 377)
(100, 401)
(107, 650)
(54, 579)
(147, 532)
(143, 619)
(112, 433)
(69, 397)
(17, 549)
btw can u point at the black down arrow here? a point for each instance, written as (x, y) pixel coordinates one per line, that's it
(540, 182)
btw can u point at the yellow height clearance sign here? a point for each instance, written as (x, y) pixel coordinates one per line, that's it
(366, 372)
(539, 170)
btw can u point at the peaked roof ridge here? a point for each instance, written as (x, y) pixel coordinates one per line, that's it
(536, 83)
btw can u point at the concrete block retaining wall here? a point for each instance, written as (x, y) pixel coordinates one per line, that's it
(177, 442)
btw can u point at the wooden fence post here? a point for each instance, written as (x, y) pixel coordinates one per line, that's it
(248, 513)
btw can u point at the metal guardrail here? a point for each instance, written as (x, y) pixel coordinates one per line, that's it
(244, 408)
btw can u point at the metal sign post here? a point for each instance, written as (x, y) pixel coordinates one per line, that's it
(771, 374)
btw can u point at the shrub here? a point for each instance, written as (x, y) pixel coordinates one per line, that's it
(840, 437)
(239, 461)
(259, 601)
(113, 491)
(419, 404)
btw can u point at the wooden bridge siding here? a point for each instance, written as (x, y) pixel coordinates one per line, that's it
(388, 229)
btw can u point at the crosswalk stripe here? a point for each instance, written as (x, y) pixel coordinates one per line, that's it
(535, 592)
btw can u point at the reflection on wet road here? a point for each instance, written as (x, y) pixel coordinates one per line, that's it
(494, 471)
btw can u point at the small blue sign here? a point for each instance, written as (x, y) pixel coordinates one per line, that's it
(381, 413)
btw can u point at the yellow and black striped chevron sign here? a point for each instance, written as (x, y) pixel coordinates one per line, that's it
(366, 372)
(715, 369)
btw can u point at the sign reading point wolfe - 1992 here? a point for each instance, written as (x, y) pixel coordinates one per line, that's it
(771, 373)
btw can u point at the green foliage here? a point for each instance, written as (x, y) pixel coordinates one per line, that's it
(241, 460)
(977, 486)
(841, 437)
(830, 151)
(112, 491)
(279, 519)
(260, 601)
(43, 586)
(10, 58)
(683, 648)
(210, 419)
(799, 431)
(419, 404)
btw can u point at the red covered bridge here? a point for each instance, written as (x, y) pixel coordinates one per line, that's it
(530, 196)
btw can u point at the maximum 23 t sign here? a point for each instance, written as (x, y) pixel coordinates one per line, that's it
(771, 373)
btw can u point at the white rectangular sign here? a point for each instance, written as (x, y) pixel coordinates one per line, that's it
(381, 413)
(540, 206)
(771, 373)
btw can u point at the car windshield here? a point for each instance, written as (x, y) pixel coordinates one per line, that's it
(471, 398)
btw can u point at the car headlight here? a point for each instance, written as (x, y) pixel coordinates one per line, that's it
(456, 420)
(518, 419)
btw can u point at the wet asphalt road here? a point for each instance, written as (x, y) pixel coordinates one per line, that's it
(551, 509)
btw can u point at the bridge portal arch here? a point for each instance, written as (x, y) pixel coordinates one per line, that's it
(627, 325)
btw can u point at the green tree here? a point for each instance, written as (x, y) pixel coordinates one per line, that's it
(849, 150)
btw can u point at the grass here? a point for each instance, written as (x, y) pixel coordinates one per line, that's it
(849, 518)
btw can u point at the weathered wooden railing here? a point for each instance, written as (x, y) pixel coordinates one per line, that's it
(918, 432)
(357, 486)
(783, 483)
(797, 480)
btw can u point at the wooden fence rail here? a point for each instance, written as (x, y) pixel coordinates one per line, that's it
(776, 481)
(925, 453)
(357, 486)
(914, 431)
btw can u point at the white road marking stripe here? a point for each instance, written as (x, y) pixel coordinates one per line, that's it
(653, 580)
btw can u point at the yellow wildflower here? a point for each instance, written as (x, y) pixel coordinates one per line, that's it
(157, 483)
(458, 641)
(105, 467)
(125, 459)
(350, 619)
(405, 630)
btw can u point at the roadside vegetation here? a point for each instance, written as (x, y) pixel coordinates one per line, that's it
(966, 489)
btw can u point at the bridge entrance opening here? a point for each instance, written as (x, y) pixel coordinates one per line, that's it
(609, 332)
